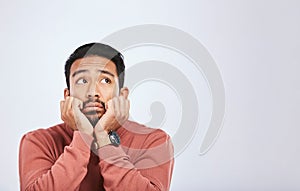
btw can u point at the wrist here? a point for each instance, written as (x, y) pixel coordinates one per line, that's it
(102, 139)
(87, 133)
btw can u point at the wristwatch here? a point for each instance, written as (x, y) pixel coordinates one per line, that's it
(114, 138)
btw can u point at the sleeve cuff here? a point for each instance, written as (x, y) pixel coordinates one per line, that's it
(82, 141)
(109, 151)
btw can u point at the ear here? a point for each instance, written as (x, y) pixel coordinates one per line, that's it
(66, 92)
(124, 92)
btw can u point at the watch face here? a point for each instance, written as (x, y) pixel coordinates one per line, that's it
(114, 138)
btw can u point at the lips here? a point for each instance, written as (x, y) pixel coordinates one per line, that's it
(92, 107)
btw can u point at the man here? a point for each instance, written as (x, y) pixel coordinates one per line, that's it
(97, 147)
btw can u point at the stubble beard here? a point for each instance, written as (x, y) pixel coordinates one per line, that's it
(94, 116)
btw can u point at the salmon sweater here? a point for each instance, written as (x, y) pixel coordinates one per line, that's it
(59, 158)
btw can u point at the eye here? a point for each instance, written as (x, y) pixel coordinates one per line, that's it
(81, 81)
(105, 81)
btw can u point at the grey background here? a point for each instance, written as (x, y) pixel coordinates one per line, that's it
(254, 43)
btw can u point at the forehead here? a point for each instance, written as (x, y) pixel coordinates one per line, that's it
(91, 63)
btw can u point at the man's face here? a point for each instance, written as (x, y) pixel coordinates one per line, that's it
(94, 81)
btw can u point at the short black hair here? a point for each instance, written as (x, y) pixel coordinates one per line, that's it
(97, 49)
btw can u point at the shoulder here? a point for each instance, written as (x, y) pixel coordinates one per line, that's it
(44, 134)
(138, 129)
(47, 142)
(147, 147)
(147, 135)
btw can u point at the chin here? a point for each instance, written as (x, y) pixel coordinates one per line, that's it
(94, 119)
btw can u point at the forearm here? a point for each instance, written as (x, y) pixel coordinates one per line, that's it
(39, 171)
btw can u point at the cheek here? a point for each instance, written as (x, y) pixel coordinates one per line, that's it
(77, 92)
(108, 93)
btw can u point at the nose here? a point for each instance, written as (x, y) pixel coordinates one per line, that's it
(93, 91)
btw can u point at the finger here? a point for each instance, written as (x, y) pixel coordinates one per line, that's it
(116, 105)
(109, 105)
(68, 107)
(77, 103)
(61, 109)
(124, 92)
(70, 101)
(127, 108)
(77, 115)
(76, 108)
(61, 103)
(122, 104)
(63, 106)
(64, 109)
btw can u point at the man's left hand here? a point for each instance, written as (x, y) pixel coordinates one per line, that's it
(117, 112)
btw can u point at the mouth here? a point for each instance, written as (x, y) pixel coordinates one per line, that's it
(92, 108)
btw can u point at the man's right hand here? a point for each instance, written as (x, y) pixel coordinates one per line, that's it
(73, 117)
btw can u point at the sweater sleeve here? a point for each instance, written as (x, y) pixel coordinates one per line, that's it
(39, 170)
(150, 170)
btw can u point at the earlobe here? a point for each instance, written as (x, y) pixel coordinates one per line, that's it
(66, 92)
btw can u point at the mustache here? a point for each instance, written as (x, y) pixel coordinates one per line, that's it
(93, 101)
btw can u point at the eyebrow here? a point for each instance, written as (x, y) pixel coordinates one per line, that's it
(83, 71)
